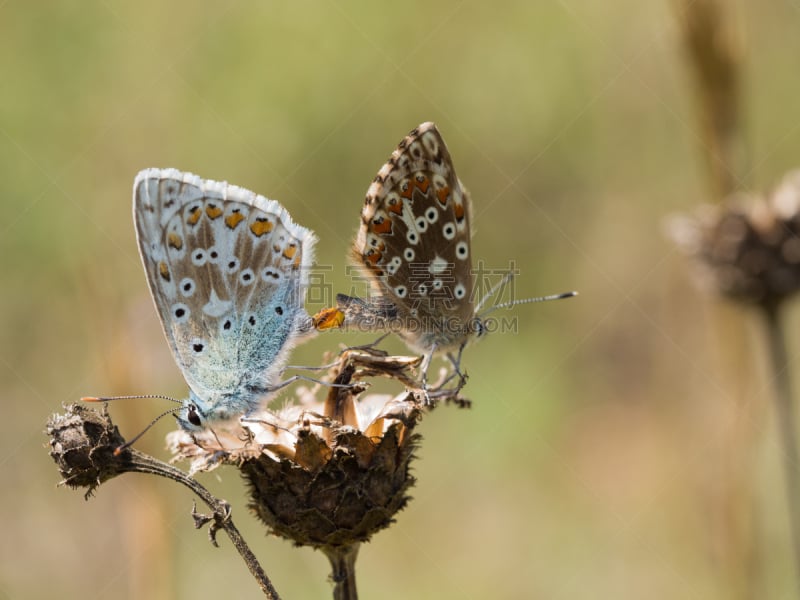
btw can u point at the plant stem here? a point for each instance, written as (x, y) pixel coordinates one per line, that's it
(785, 415)
(343, 571)
(143, 463)
(714, 54)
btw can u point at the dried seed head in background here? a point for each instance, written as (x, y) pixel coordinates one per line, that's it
(749, 248)
(327, 473)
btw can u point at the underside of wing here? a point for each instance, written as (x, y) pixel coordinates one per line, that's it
(414, 238)
(227, 270)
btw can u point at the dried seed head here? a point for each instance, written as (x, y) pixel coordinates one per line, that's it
(83, 445)
(324, 473)
(749, 249)
(333, 493)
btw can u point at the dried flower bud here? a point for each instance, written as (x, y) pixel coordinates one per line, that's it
(749, 249)
(83, 444)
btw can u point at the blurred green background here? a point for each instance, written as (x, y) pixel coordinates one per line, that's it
(621, 445)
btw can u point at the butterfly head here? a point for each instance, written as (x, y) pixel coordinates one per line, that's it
(198, 414)
(191, 417)
(476, 328)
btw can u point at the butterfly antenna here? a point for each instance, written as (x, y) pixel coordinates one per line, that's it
(491, 292)
(132, 441)
(145, 396)
(528, 301)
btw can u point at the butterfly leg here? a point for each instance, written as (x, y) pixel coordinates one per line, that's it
(427, 400)
(216, 437)
(369, 346)
(309, 368)
(462, 377)
(426, 363)
(457, 366)
(294, 378)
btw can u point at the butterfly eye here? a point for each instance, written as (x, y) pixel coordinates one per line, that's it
(192, 416)
(459, 292)
(449, 231)
(477, 327)
(462, 251)
(279, 310)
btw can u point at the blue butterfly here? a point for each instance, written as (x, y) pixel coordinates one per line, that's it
(227, 270)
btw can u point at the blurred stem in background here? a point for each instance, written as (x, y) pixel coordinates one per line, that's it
(714, 52)
(785, 415)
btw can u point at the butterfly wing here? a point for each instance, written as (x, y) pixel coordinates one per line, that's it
(414, 240)
(227, 270)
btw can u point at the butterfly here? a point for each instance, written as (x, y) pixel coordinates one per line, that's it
(414, 247)
(227, 270)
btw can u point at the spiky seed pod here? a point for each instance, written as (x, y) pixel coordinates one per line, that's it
(333, 494)
(326, 474)
(83, 444)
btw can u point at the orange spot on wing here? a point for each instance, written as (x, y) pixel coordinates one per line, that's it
(409, 191)
(163, 270)
(459, 212)
(290, 251)
(442, 195)
(233, 219)
(261, 226)
(174, 240)
(373, 257)
(382, 225)
(194, 215)
(396, 208)
(328, 318)
(213, 211)
(423, 184)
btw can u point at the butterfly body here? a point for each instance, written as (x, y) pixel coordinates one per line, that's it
(413, 245)
(227, 272)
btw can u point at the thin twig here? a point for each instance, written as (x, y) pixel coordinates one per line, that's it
(147, 464)
(785, 415)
